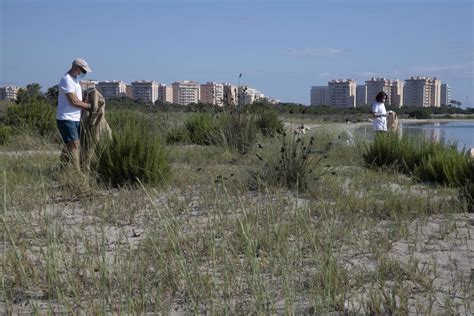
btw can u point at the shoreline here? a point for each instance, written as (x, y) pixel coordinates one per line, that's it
(434, 120)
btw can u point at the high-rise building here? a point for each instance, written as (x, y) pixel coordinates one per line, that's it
(445, 94)
(319, 95)
(230, 94)
(185, 92)
(129, 91)
(88, 84)
(361, 95)
(422, 92)
(145, 90)
(342, 93)
(376, 85)
(212, 93)
(112, 88)
(396, 93)
(165, 94)
(393, 89)
(9, 92)
(248, 95)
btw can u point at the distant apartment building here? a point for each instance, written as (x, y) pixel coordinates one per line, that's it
(88, 84)
(145, 90)
(376, 85)
(248, 95)
(393, 89)
(230, 95)
(422, 92)
(186, 92)
(165, 94)
(129, 91)
(319, 95)
(112, 88)
(361, 95)
(396, 93)
(212, 93)
(342, 93)
(9, 92)
(445, 94)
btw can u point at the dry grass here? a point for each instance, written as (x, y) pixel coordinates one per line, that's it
(357, 241)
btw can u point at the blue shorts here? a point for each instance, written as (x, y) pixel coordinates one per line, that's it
(70, 130)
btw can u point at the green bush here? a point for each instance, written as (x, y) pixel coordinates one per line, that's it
(134, 152)
(177, 135)
(435, 162)
(269, 124)
(419, 114)
(446, 166)
(5, 134)
(467, 190)
(236, 131)
(200, 128)
(35, 115)
(388, 151)
(292, 166)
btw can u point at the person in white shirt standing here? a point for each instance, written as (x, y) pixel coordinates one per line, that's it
(379, 113)
(70, 105)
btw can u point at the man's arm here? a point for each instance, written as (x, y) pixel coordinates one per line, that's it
(72, 97)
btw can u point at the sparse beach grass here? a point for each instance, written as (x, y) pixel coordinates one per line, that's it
(205, 240)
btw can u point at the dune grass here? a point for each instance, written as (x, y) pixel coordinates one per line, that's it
(208, 242)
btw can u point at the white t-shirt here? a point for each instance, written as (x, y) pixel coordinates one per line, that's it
(66, 111)
(379, 123)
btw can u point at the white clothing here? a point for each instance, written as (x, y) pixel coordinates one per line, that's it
(67, 111)
(379, 123)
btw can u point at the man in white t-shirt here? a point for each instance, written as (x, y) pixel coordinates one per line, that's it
(70, 105)
(379, 112)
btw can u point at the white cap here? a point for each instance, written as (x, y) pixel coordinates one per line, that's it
(82, 63)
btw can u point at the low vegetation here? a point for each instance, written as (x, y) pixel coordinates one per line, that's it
(207, 213)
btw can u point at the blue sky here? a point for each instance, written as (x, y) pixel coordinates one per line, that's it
(281, 47)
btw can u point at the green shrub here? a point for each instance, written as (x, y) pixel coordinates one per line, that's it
(467, 190)
(177, 135)
(5, 134)
(389, 151)
(435, 162)
(419, 114)
(236, 131)
(134, 152)
(200, 128)
(292, 166)
(269, 124)
(37, 116)
(444, 165)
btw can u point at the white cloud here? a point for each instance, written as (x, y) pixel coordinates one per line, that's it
(315, 52)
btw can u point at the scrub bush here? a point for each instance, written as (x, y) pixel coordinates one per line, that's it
(235, 131)
(177, 135)
(5, 134)
(135, 152)
(269, 124)
(200, 128)
(35, 115)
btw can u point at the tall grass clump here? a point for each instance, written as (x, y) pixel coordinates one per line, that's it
(5, 134)
(200, 128)
(269, 124)
(135, 152)
(37, 116)
(467, 190)
(293, 166)
(444, 165)
(235, 131)
(177, 135)
(428, 161)
(389, 151)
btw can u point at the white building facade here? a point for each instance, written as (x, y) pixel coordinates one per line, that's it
(145, 90)
(186, 92)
